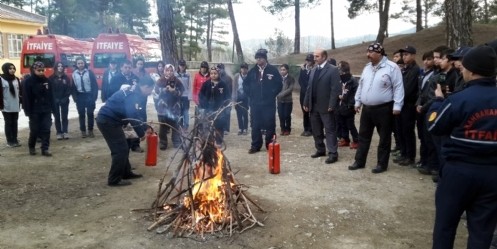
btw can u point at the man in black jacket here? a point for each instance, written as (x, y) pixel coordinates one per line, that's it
(407, 116)
(304, 82)
(262, 84)
(321, 100)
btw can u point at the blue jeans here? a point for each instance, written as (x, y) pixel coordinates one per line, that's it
(86, 106)
(185, 115)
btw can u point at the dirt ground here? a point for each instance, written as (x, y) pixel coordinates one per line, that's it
(64, 202)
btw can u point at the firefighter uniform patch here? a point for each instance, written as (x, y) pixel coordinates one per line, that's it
(432, 117)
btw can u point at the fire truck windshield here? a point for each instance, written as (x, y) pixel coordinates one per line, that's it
(101, 60)
(47, 59)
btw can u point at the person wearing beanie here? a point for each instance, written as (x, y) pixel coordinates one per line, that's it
(305, 70)
(199, 79)
(262, 84)
(37, 103)
(10, 105)
(468, 178)
(380, 99)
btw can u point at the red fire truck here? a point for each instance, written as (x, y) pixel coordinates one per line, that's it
(119, 47)
(50, 48)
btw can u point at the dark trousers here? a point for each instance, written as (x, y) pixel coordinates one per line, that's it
(227, 118)
(346, 125)
(396, 133)
(11, 126)
(185, 113)
(263, 121)
(306, 116)
(432, 159)
(326, 121)
(421, 129)
(381, 118)
(61, 110)
(86, 106)
(471, 188)
(164, 128)
(119, 150)
(39, 126)
(285, 115)
(407, 136)
(242, 113)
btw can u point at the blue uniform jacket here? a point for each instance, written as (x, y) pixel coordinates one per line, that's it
(469, 118)
(123, 107)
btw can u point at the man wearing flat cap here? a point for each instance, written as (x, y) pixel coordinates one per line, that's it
(305, 71)
(406, 121)
(262, 84)
(380, 94)
(468, 178)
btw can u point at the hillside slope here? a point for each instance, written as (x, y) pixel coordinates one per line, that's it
(423, 41)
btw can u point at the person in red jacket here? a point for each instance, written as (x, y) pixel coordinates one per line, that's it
(200, 77)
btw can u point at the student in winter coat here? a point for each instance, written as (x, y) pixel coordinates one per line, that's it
(213, 97)
(38, 106)
(85, 94)
(109, 73)
(10, 102)
(184, 76)
(200, 77)
(241, 99)
(167, 93)
(61, 90)
(285, 101)
(346, 112)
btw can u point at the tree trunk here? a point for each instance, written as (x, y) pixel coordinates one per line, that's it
(384, 8)
(332, 26)
(166, 31)
(296, 42)
(208, 35)
(191, 39)
(181, 43)
(426, 10)
(236, 38)
(458, 14)
(419, 14)
(486, 18)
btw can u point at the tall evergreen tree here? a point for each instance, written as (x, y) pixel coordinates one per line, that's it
(277, 6)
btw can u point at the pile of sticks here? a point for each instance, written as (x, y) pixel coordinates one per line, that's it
(178, 208)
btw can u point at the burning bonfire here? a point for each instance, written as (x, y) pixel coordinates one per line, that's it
(202, 197)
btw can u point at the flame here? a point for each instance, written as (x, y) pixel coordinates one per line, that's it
(209, 197)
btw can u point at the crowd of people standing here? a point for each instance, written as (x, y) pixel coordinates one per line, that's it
(449, 102)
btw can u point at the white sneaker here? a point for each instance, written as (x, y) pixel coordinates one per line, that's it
(66, 135)
(60, 136)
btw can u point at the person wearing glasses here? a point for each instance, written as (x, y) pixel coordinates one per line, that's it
(38, 106)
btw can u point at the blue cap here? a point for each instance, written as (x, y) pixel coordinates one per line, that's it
(459, 53)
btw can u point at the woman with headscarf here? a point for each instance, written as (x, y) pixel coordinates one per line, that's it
(10, 99)
(62, 88)
(38, 106)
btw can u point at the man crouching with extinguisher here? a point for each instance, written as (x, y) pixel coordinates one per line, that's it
(123, 107)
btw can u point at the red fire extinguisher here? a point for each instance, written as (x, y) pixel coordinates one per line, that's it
(274, 156)
(152, 142)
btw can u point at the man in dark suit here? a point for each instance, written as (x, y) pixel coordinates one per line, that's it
(321, 101)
